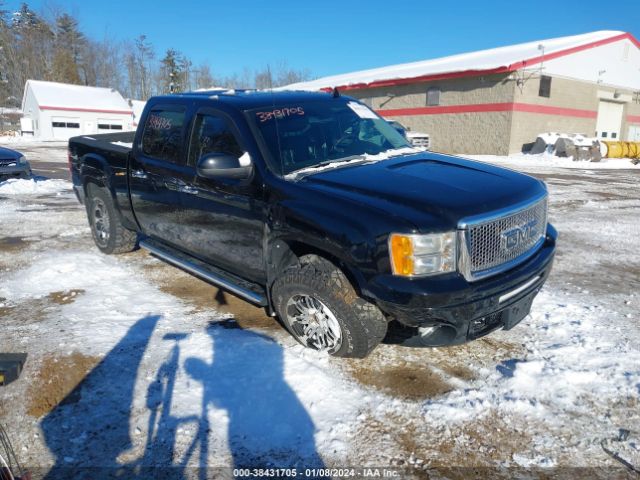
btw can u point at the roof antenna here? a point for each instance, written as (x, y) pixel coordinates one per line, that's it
(335, 93)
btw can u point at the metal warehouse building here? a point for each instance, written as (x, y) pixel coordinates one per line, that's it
(60, 111)
(496, 101)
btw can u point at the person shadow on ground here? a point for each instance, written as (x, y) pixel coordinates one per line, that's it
(90, 428)
(268, 427)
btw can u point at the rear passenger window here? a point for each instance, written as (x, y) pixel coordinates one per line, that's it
(162, 137)
(212, 134)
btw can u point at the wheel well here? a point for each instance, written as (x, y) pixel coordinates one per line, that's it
(89, 182)
(298, 249)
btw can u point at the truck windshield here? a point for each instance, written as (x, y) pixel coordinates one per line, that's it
(315, 133)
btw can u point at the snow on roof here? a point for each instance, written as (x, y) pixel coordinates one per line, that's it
(493, 60)
(52, 95)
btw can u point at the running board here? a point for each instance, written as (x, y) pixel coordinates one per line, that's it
(248, 291)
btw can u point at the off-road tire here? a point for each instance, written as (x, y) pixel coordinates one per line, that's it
(363, 326)
(120, 239)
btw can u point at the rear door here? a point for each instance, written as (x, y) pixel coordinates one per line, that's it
(223, 220)
(157, 172)
(609, 120)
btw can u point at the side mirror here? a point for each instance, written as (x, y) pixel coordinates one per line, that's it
(222, 165)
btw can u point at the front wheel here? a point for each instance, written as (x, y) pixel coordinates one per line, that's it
(106, 228)
(320, 308)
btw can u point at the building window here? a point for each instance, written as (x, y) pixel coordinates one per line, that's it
(65, 125)
(433, 97)
(603, 134)
(614, 135)
(106, 126)
(545, 86)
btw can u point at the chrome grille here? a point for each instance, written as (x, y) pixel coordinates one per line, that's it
(497, 244)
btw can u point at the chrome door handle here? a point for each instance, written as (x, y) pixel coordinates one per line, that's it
(188, 189)
(139, 174)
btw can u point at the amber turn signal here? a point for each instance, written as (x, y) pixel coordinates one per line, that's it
(401, 248)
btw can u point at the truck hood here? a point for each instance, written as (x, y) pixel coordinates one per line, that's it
(432, 191)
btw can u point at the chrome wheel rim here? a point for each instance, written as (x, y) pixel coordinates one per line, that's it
(313, 324)
(100, 222)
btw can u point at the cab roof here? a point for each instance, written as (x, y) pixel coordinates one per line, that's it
(249, 99)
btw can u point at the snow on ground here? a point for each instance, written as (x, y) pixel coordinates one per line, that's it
(133, 363)
(545, 160)
(33, 186)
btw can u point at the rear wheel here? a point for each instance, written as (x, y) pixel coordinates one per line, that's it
(320, 308)
(106, 228)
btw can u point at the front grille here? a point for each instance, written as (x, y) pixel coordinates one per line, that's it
(497, 244)
(8, 163)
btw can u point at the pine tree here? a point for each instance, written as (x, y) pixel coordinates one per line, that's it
(25, 18)
(69, 43)
(64, 69)
(171, 72)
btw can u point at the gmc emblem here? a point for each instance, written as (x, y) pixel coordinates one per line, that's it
(511, 239)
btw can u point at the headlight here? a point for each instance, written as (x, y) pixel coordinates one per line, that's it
(22, 161)
(416, 255)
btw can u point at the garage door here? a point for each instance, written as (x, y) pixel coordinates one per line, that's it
(609, 120)
(65, 127)
(106, 125)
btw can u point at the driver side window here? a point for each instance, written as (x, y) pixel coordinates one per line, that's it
(212, 134)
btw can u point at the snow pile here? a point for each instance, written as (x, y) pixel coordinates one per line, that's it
(27, 140)
(34, 186)
(572, 145)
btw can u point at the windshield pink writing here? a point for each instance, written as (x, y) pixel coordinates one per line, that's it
(279, 113)
(159, 123)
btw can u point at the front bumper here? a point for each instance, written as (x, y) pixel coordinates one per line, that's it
(448, 310)
(17, 171)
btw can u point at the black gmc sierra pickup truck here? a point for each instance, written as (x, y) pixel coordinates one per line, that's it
(313, 206)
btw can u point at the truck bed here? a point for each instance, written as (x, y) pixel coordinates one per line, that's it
(118, 142)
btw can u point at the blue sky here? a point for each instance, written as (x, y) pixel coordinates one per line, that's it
(332, 37)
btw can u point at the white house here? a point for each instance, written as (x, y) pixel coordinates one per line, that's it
(60, 111)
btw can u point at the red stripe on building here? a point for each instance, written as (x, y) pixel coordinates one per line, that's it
(633, 118)
(481, 107)
(560, 111)
(490, 107)
(73, 109)
(505, 69)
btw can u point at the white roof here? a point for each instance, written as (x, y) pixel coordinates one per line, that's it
(508, 58)
(76, 97)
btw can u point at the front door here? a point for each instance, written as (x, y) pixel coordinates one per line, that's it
(223, 219)
(609, 120)
(157, 173)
